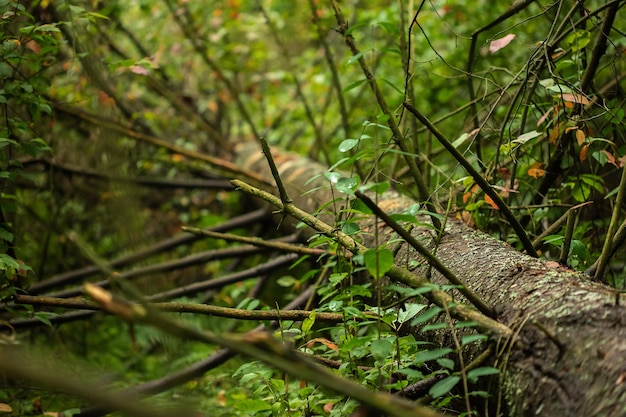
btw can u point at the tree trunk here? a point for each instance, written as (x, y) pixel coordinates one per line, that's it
(568, 356)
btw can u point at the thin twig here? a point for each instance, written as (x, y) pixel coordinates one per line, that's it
(204, 309)
(255, 241)
(279, 182)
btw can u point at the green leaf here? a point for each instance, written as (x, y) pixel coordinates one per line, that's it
(49, 27)
(444, 386)
(410, 310)
(96, 16)
(347, 185)
(465, 324)
(43, 317)
(6, 234)
(446, 363)
(434, 326)
(252, 406)
(459, 141)
(390, 27)
(360, 207)
(337, 277)
(377, 187)
(7, 261)
(527, 136)
(471, 338)
(474, 374)
(426, 315)
(378, 261)
(392, 86)
(347, 144)
(308, 323)
(429, 355)
(381, 349)
(354, 58)
(5, 71)
(286, 281)
(332, 177)
(577, 40)
(354, 85)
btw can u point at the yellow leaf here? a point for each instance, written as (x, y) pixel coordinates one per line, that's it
(580, 136)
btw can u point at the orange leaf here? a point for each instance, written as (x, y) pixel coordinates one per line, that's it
(583, 152)
(575, 98)
(105, 100)
(536, 170)
(492, 203)
(469, 193)
(325, 342)
(554, 134)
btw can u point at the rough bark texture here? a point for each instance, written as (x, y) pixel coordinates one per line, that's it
(569, 356)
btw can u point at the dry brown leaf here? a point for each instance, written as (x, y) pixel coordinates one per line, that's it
(5, 408)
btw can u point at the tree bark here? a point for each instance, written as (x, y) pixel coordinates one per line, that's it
(568, 357)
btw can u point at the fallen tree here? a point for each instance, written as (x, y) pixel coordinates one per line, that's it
(564, 354)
